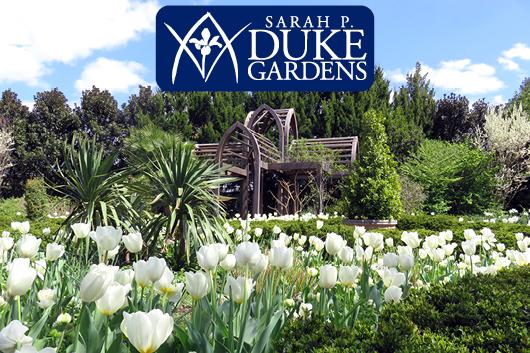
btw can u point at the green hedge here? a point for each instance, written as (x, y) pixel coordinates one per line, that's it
(476, 314)
(37, 203)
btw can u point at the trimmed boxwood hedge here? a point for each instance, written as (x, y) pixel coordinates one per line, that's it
(483, 313)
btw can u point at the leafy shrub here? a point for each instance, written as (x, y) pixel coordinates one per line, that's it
(37, 203)
(457, 178)
(372, 190)
(412, 195)
(477, 313)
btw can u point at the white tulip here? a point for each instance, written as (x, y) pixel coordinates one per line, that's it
(469, 234)
(106, 237)
(348, 275)
(261, 264)
(114, 299)
(258, 232)
(317, 243)
(346, 254)
(46, 298)
(389, 242)
(276, 230)
(46, 231)
(374, 240)
(54, 251)
(469, 247)
(328, 276)
(393, 294)
(6, 242)
(411, 239)
(23, 227)
(302, 240)
(247, 254)
(21, 277)
(229, 262)
(12, 336)
(390, 260)
(147, 272)
(392, 278)
(208, 257)
(334, 243)
(197, 284)
(81, 230)
(222, 250)
(64, 318)
(28, 246)
(282, 258)
(405, 262)
(147, 331)
(312, 272)
(96, 281)
(133, 242)
(124, 276)
(320, 224)
(437, 255)
(238, 289)
(31, 349)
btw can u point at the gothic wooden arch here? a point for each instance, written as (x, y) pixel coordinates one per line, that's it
(245, 147)
(261, 121)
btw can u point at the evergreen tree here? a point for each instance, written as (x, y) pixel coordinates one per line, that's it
(373, 189)
(452, 120)
(522, 96)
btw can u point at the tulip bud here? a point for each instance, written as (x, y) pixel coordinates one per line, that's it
(393, 294)
(114, 299)
(20, 278)
(405, 262)
(46, 298)
(54, 251)
(348, 275)
(28, 246)
(80, 230)
(222, 250)
(124, 277)
(328, 276)
(282, 258)
(208, 257)
(106, 237)
(133, 242)
(197, 284)
(390, 260)
(312, 272)
(238, 289)
(229, 262)
(96, 282)
(334, 243)
(64, 318)
(147, 272)
(346, 254)
(247, 254)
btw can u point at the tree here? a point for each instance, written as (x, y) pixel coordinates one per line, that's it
(416, 99)
(101, 118)
(458, 178)
(6, 143)
(523, 96)
(13, 119)
(373, 189)
(451, 121)
(404, 136)
(507, 135)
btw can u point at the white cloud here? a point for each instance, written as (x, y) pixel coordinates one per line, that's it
(396, 76)
(498, 100)
(462, 76)
(508, 64)
(518, 51)
(37, 33)
(116, 76)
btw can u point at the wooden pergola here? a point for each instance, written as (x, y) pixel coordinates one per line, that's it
(257, 152)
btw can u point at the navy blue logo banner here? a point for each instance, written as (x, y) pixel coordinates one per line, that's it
(264, 48)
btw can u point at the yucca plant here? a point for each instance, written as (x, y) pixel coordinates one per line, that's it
(182, 191)
(89, 181)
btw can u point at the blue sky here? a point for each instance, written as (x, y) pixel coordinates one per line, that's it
(476, 48)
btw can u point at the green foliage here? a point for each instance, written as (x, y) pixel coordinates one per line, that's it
(37, 203)
(451, 118)
(475, 312)
(181, 189)
(522, 97)
(404, 135)
(145, 141)
(457, 178)
(412, 195)
(373, 189)
(89, 181)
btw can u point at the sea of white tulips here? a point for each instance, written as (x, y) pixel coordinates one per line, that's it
(55, 300)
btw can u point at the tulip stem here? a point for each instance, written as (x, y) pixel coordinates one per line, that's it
(19, 309)
(87, 246)
(61, 340)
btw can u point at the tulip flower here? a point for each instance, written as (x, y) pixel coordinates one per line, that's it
(147, 331)
(46, 298)
(229, 262)
(469, 247)
(374, 240)
(81, 230)
(320, 224)
(390, 260)
(328, 276)
(334, 243)
(114, 299)
(64, 318)
(22, 227)
(238, 289)
(282, 257)
(54, 251)
(197, 284)
(28, 246)
(124, 276)
(346, 254)
(106, 237)
(260, 265)
(312, 272)
(405, 262)
(6, 242)
(392, 278)
(317, 243)
(348, 275)
(411, 239)
(276, 230)
(208, 257)
(20, 278)
(247, 254)
(147, 272)
(165, 284)
(222, 250)
(96, 282)
(133, 242)
(31, 349)
(13, 335)
(393, 294)
(258, 232)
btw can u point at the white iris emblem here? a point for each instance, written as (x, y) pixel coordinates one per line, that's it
(205, 46)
